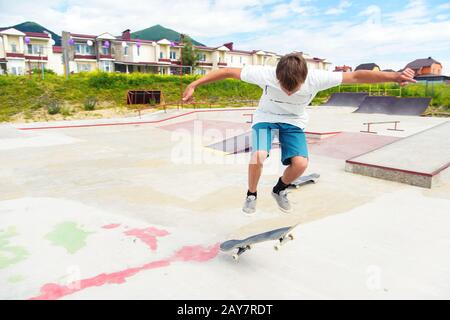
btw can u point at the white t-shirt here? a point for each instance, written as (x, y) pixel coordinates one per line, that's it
(275, 105)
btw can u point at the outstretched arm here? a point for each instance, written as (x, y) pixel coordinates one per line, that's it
(362, 76)
(217, 75)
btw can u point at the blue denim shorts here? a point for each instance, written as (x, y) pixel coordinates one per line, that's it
(292, 140)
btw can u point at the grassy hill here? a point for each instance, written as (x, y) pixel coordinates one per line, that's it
(26, 97)
(158, 32)
(30, 96)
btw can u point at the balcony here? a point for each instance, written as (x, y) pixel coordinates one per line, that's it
(85, 56)
(36, 57)
(15, 55)
(164, 60)
(204, 64)
(106, 56)
(222, 64)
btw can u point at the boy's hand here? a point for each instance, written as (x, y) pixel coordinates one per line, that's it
(405, 77)
(188, 93)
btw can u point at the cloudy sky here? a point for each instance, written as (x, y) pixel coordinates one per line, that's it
(390, 33)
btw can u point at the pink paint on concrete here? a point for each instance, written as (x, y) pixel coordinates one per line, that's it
(196, 253)
(52, 291)
(347, 145)
(147, 235)
(111, 226)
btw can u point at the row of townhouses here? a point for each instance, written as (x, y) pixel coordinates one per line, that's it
(21, 52)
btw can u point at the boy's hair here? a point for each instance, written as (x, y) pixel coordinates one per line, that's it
(292, 71)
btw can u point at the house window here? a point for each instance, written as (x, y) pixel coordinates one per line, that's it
(138, 50)
(35, 49)
(83, 49)
(13, 48)
(16, 70)
(83, 67)
(106, 66)
(240, 60)
(161, 55)
(231, 59)
(201, 57)
(125, 51)
(173, 55)
(200, 71)
(106, 51)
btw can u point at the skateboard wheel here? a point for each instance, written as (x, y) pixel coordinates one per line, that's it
(291, 236)
(235, 257)
(249, 247)
(277, 247)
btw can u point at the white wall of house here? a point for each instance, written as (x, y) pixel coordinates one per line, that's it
(145, 53)
(55, 63)
(2, 48)
(236, 60)
(16, 66)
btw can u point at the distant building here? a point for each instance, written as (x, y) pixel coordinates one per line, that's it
(343, 68)
(433, 78)
(21, 52)
(368, 66)
(388, 70)
(427, 66)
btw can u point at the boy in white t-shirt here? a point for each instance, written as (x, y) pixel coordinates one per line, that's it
(287, 89)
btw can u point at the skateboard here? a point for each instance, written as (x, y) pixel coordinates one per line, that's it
(281, 235)
(313, 177)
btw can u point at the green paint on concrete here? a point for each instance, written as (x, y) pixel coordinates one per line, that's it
(69, 236)
(16, 279)
(10, 255)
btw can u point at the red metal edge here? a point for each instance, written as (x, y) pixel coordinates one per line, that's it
(130, 123)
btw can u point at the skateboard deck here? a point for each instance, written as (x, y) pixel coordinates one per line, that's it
(281, 235)
(313, 177)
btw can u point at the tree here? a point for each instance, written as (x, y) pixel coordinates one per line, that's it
(189, 53)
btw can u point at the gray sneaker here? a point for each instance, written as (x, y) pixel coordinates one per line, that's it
(250, 205)
(283, 201)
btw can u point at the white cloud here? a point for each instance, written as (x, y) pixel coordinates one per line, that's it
(390, 39)
(415, 12)
(199, 18)
(341, 8)
(295, 7)
(444, 6)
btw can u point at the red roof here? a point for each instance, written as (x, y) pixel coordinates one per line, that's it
(37, 34)
(57, 49)
(77, 35)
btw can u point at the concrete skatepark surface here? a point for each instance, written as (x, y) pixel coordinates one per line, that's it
(138, 210)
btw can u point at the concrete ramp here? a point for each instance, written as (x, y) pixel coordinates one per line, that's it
(346, 99)
(418, 160)
(394, 105)
(237, 144)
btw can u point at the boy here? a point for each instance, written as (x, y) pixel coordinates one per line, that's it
(287, 89)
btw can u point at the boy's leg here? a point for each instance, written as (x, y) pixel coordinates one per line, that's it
(261, 144)
(294, 154)
(295, 169)
(255, 169)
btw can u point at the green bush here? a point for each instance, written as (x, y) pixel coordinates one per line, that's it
(54, 107)
(90, 103)
(46, 71)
